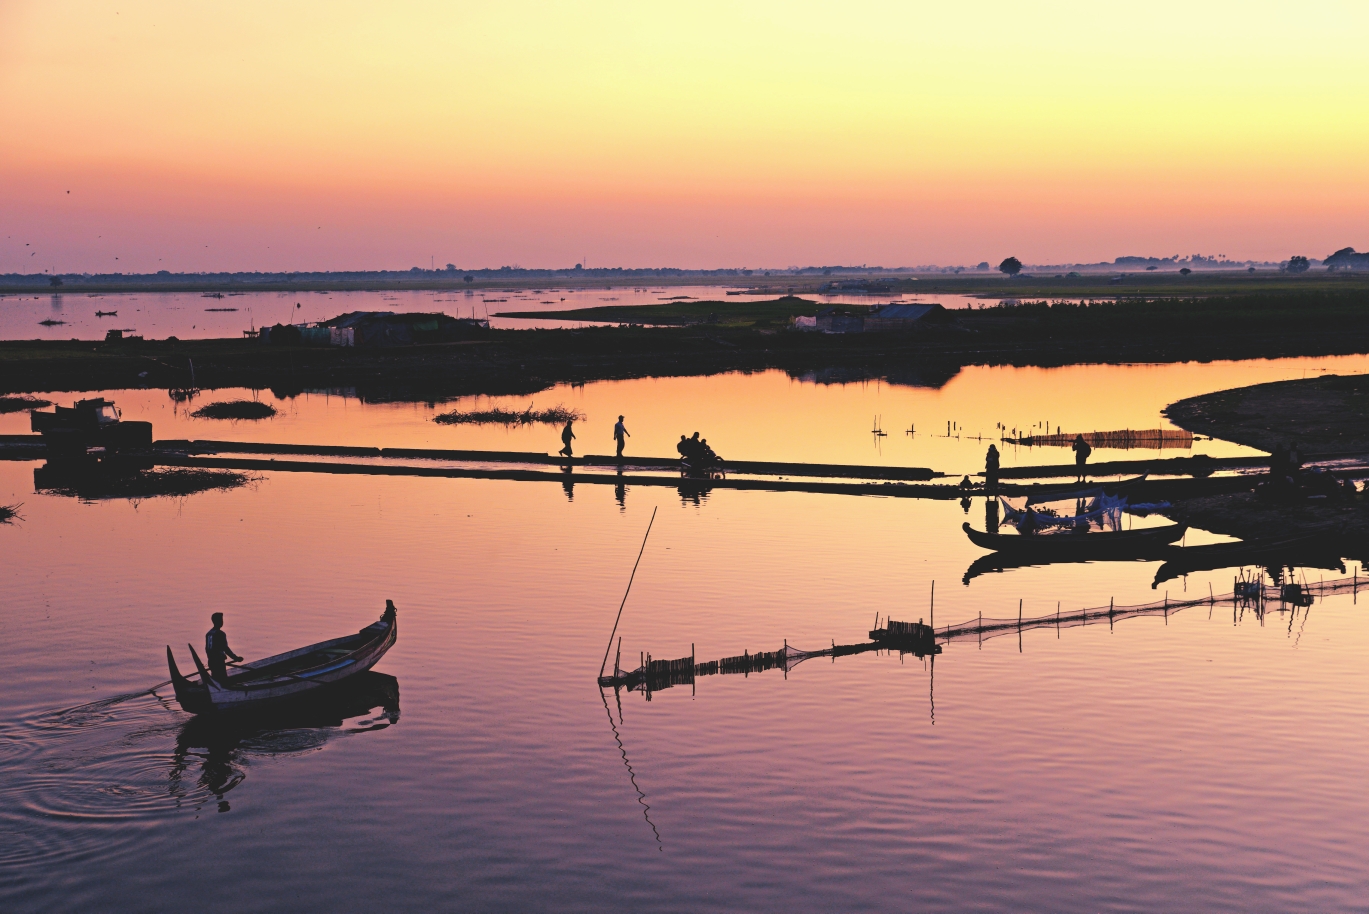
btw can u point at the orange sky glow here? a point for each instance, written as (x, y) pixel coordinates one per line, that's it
(339, 135)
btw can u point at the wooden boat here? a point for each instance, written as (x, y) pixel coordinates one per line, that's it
(1123, 542)
(291, 675)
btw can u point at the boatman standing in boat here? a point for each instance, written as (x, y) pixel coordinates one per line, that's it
(1081, 454)
(991, 469)
(620, 433)
(217, 649)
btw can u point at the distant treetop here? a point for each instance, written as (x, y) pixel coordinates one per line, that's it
(1011, 265)
(1347, 259)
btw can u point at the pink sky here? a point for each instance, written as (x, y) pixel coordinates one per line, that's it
(334, 136)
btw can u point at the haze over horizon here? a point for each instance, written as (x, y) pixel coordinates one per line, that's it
(148, 135)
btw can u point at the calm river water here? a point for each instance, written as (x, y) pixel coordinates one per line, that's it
(1203, 762)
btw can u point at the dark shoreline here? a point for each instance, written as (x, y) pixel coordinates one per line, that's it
(527, 361)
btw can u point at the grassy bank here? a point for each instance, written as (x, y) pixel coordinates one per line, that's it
(737, 313)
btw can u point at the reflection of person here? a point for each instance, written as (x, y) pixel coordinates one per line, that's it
(217, 649)
(567, 436)
(1081, 454)
(620, 433)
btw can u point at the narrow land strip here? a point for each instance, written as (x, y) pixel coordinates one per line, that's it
(527, 361)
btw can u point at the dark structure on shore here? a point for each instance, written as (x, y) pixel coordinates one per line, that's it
(887, 317)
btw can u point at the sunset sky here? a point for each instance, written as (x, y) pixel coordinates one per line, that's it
(335, 135)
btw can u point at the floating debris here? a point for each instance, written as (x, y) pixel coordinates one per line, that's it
(557, 415)
(9, 513)
(235, 409)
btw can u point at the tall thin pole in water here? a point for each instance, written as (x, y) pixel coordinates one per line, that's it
(626, 592)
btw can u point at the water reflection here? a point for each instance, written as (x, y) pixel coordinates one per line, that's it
(92, 477)
(74, 777)
(1305, 552)
(631, 775)
(213, 752)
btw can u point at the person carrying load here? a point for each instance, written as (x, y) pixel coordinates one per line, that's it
(1081, 455)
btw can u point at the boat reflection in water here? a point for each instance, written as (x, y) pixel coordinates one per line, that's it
(996, 562)
(213, 752)
(1316, 551)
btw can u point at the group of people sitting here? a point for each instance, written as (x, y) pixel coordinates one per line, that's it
(696, 453)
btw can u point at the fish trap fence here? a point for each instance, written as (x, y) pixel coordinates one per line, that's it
(654, 675)
(1247, 593)
(1153, 438)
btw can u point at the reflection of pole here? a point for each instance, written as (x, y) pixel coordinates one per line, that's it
(631, 775)
(626, 592)
(931, 690)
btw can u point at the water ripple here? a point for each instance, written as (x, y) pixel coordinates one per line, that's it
(76, 778)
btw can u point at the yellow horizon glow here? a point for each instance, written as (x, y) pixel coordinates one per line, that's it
(717, 135)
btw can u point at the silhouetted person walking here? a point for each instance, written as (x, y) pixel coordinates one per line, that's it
(217, 650)
(567, 436)
(620, 434)
(1081, 455)
(991, 469)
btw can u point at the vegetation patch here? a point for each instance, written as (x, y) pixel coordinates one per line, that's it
(777, 311)
(557, 415)
(9, 513)
(19, 404)
(235, 409)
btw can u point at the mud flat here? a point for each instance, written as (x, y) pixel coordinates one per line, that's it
(1325, 416)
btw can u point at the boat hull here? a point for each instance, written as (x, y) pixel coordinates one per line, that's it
(286, 677)
(1077, 545)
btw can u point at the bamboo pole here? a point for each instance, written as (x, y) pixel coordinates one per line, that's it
(626, 592)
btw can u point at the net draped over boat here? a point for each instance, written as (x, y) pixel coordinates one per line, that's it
(1102, 509)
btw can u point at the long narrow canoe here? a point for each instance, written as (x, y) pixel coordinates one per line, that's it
(285, 676)
(1077, 545)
